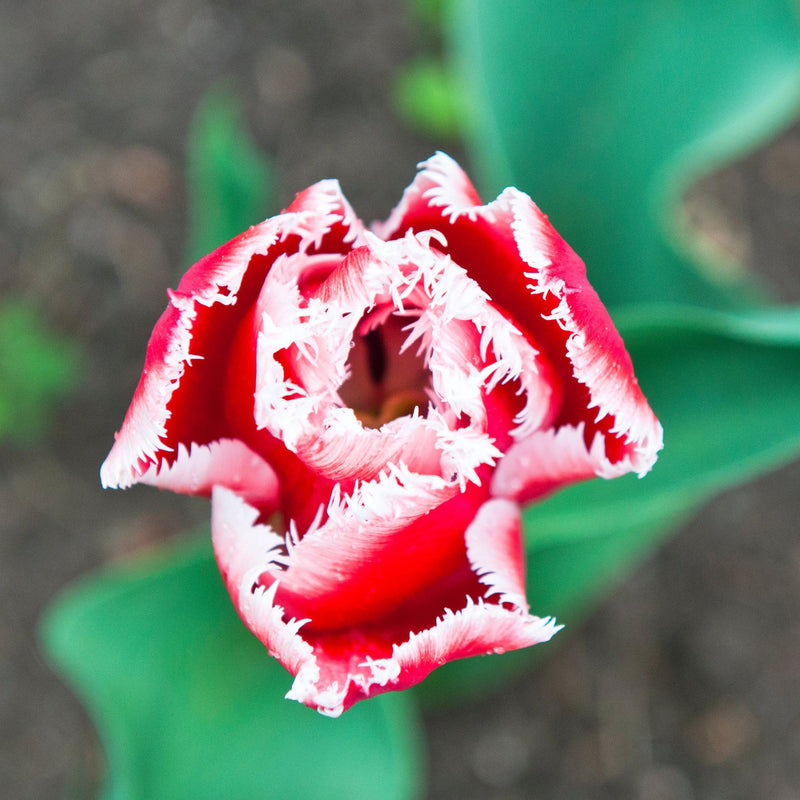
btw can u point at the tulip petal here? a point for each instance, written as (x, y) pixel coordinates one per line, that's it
(227, 462)
(242, 546)
(179, 398)
(243, 550)
(495, 551)
(595, 349)
(182, 361)
(550, 459)
(440, 185)
(340, 227)
(364, 562)
(477, 629)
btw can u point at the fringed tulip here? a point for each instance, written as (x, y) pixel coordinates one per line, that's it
(368, 409)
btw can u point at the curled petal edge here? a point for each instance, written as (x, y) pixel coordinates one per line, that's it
(550, 459)
(226, 462)
(595, 349)
(215, 279)
(495, 552)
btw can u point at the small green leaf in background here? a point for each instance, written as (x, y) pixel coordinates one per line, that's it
(230, 183)
(606, 112)
(190, 706)
(426, 96)
(36, 370)
(429, 14)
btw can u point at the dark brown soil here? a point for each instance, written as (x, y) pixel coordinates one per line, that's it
(684, 684)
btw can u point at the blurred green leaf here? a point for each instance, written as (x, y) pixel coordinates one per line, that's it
(36, 370)
(190, 705)
(606, 112)
(429, 13)
(425, 95)
(726, 387)
(230, 183)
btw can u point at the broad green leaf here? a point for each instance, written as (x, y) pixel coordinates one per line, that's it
(605, 112)
(726, 387)
(36, 370)
(230, 185)
(190, 705)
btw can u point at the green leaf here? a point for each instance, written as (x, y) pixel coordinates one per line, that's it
(425, 94)
(230, 183)
(606, 112)
(190, 705)
(726, 387)
(36, 370)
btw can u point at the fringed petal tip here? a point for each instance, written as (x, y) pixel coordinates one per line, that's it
(594, 348)
(146, 437)
(441, 185)
(495, 552)
(326, 206)
(227, 463)
(321, 217)
(477, 629)
(440, 196)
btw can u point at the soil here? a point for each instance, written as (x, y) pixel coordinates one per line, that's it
(684, 683)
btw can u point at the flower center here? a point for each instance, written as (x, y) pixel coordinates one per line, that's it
(384, 382)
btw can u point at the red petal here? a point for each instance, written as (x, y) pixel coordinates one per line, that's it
(391, 539)
(440, 185)
(547, 460)
(179, 399)
(340, 228)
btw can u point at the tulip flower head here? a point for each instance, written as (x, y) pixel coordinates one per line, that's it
(369, 409)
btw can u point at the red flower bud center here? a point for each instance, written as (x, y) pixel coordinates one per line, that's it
(384, 382)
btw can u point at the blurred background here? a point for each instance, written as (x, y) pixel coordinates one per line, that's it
(683, 684)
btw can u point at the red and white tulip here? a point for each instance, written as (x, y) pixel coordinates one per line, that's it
(367, 410)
